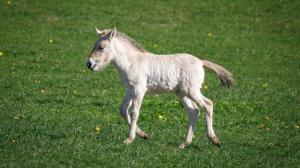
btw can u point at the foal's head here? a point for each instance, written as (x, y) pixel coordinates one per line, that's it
(101, 54)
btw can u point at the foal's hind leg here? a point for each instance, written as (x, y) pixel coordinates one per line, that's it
(193, 115)
(124, 112)
(207, 105)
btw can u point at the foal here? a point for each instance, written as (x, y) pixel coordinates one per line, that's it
(141, 71)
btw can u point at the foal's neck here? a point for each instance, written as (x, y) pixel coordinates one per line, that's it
(125, 56)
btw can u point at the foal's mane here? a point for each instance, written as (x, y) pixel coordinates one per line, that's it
(131, 41)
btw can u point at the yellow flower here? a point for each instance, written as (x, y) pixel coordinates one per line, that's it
(162, 118)
(83, 70)
(155, 45)
(265, 85)
(13, 141)
(8, 2)
(209, 34)
(74, 91)
(16, 117)
(1, 53)
(267, 118)
(268, 129)
(98, 129)
(296, 126)
(43, 91)
(51, 41)
(205, 87)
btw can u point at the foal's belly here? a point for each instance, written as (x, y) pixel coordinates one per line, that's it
(161, 86)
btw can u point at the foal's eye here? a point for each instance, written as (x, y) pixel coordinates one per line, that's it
(100, 47)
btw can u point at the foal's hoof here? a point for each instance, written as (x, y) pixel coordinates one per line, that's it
(146, 137)
(216, 141)
(143, 135)
(183, 145)
(127, 141)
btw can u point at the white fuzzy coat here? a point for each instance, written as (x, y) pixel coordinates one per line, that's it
(141, 72)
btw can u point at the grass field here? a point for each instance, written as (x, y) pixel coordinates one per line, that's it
(51, 105)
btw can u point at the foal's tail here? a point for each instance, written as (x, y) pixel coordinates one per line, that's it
(224, 75)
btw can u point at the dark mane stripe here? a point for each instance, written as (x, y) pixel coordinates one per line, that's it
(131, 41)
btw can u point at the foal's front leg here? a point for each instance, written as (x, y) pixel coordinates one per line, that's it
(127, 102)
(138, 96)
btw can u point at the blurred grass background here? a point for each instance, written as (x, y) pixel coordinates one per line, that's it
(51, 105)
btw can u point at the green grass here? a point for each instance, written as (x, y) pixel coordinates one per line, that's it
(50, 104)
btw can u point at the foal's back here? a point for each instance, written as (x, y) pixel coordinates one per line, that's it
(172, 72)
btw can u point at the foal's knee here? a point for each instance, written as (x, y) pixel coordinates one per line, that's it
(208, 102)
(134, 115)
(208, 105)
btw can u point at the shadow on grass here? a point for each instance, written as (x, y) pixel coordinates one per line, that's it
(99, 104)
(175, 145)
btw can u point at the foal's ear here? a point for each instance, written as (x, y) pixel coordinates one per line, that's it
(99, 32)
(112, 33)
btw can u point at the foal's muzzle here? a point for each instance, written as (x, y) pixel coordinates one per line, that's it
(89, 65)
(92, 64)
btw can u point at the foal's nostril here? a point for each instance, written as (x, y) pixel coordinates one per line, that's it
(89, 65)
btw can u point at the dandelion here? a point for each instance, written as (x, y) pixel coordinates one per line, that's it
(43, 91)
(162, 118)
(74, 91)
(209, 34)
(1, 53)
(268, 129)
(83, 70)
(8, 2)
(16, 117)
(296, 126)
(51, 41)
(267, 118)
(13, 141)
(205, 87)
(155, 45)
(98, 129)
(265, 85)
